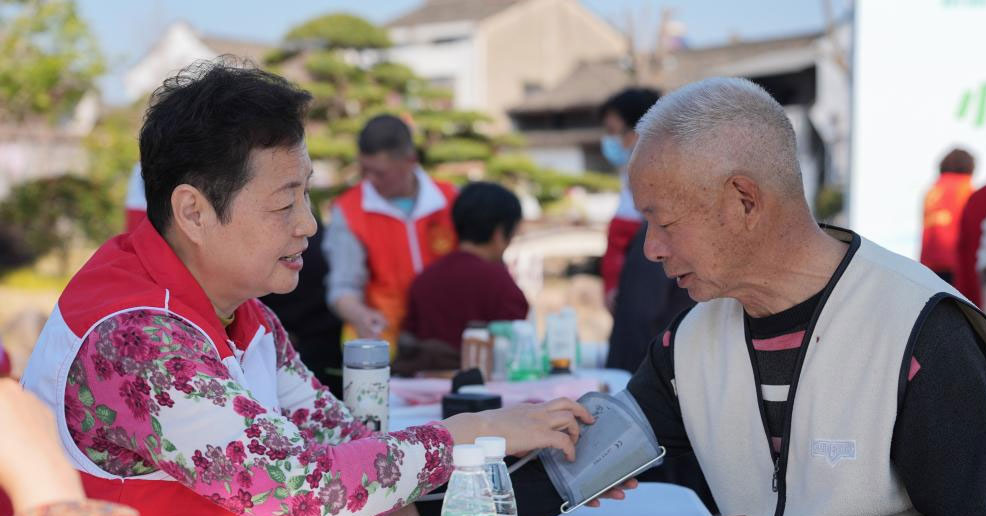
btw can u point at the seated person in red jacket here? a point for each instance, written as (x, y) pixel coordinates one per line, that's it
(470, 283)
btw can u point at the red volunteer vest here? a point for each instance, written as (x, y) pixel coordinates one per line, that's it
(136, 269)
(390, 244)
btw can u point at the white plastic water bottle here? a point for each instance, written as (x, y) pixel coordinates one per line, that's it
(495, 448)
(468, 492)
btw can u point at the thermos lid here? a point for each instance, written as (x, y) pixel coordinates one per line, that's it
(366, 353)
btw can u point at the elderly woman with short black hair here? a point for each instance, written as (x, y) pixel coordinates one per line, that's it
(176, 391)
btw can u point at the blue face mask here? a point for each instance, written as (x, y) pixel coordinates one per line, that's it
(613, 150)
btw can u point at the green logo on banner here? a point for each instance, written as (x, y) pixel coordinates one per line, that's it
(973, 105)
(964, 3)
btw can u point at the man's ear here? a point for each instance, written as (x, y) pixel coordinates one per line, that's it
(745, 191)
(191, 212)
(499, 236)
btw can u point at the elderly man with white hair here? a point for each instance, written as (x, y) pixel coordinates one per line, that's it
(819, 374)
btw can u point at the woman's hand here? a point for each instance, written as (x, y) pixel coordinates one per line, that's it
(617, 493)
(33, 469)
(526, 426)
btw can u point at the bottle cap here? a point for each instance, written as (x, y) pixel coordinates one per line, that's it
(467, 455)
(501, 328)
(493, 446)
(474, 389)
(523, 329)
(476, 333)
(366, 353)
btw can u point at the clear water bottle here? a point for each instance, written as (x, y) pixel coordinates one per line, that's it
(526, 361)
(495, 448)
(468, 492)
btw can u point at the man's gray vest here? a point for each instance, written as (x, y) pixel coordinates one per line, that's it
(843, 399)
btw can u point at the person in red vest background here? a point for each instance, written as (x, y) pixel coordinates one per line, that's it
(620, 114)
(943, 207)
(967, 275)
(384, 231)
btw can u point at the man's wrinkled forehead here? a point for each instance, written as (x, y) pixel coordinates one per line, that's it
(656, 175)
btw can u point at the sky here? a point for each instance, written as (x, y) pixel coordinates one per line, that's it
(126, 29)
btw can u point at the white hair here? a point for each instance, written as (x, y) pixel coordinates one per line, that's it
(760, 135)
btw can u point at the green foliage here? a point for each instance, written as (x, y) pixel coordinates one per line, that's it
(279, 55)
(511, 165)
(326, 100)
(339, 148)
(55, 213)
(352, 124)
(509, 141)
(547, 185)
(456, 179)
(828, 203)
(29, 278)
(321, 90)
(449, 122)
(368, 94)
(434, 94)
(392, 75)
(48, 59)
(328, 66)
(346, 96)
(457, 149)
(347, 125)
(339, 30)
(113, 151)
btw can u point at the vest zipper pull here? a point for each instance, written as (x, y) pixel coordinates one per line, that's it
(777, 469)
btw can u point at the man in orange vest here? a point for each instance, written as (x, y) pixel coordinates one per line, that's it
(384, 231)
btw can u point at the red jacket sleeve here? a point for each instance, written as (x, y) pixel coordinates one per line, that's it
(619, 235)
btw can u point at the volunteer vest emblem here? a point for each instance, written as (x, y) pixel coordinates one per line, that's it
(833, 451)
(441, 239)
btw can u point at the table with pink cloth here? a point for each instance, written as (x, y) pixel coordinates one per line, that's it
(416, 401)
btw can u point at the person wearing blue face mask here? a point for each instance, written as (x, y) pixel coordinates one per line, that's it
(619, 115)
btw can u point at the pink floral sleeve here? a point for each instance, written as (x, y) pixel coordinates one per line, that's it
(319, 416)
(147, 392)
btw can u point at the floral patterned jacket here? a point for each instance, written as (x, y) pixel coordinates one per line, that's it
(146, 392)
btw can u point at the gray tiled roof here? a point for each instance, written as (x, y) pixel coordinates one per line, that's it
(591, 83)
(439, 11)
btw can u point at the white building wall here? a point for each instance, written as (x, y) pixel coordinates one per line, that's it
(445, 52)
(179, 47)
(569, 159)
(919, 90)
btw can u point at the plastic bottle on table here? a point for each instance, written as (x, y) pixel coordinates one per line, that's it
(495, 448)
(526, 360)
(562, 341)
(478, 350)
(501, 333)
(469, 492)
